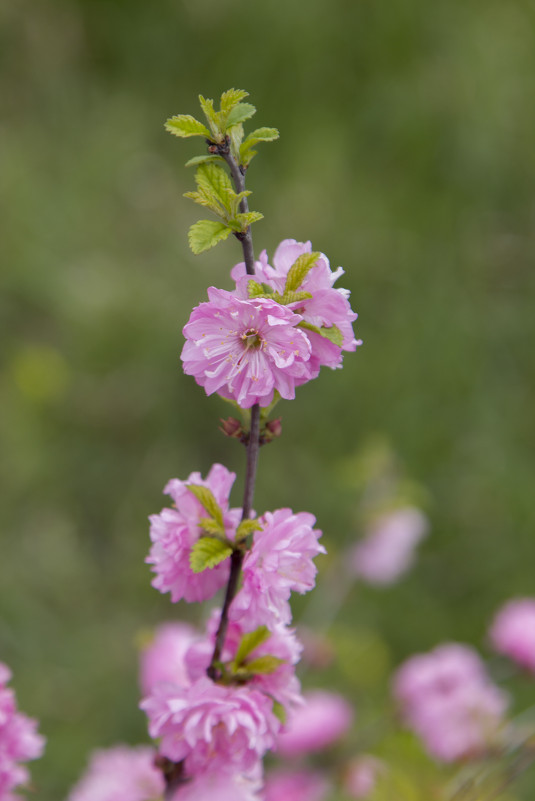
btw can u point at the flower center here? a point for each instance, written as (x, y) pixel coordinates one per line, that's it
(251, 339)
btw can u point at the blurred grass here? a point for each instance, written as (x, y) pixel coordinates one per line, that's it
(406, 155)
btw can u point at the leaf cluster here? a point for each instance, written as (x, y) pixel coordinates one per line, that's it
(225, 136)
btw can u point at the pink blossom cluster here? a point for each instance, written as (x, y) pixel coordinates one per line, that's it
(226, 727)
(513, 632)
(175, 530)
(120, 773)
(387, 550)
(247, 348)
(449, 701)
(19, 740)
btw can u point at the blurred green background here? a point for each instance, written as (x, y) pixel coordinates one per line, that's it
(406, 155)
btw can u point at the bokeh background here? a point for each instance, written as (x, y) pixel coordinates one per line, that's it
(406, 155)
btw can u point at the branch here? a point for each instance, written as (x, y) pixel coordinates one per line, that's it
(253, 445)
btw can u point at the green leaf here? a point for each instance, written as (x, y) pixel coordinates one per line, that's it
(260, 135)
(211, 526)
(250, 641)
(207, 498)
(204, 234)
(247, 527)
(248, 218)
(240, 113)
(279, 711)
(208, 552)
(185, 125)
(299, 270)
(292, 297)
(231, 98)
(215, 184)
(211, 115)
(254, 289)
(333, 333)
(196, 160)
(264, 664)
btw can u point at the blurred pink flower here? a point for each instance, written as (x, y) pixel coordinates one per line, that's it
(324, 718)
(513, 632)
(447, 698)
(295, 786)
(327, 306)
(163, 659)
(245, 349)
(361, 776)
(387, 550)
(174, 531)
(19, 740)
(220, 787)
(121, 773)
(210, 726)
(279, 562)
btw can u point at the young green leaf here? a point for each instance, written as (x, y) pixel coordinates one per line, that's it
(333, 334)
(264, 664)
(196, 160)
(247, 219)
(231, 98)
(208, 552)
(292, 297)
(185, 125)
(211, 526)
(240, 113)
(204, 234)
(279, 711)
(255, 290)
(299, 270)
(250, 641)
(262, 135)
(207, 105)
(207, 498)
(247, 527)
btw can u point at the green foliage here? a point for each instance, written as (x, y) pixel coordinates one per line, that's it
(279, 711)
(231, 98)
(208, 552)
(204, 234)
(247, 527)
(291, 297)
(246, 152)
(242, 221)
(299, 270)
(185, 125)
(264, 664)
(211, 526)
(206, 497)
(249, 642)
(332, 333)
(196, 160)
(240, 113)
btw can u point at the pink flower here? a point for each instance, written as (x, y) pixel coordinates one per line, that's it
(245, 349)
(279, 561)
(164, 658)
(361, 776)
(326, 308)
(295, 786)
(447, 698)
(387, 551)
(281, 685)
(210, 726)
(323, 719)
(174, 531)
(220, 787)
(19, 741)
(121, 773)
(513, 632)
